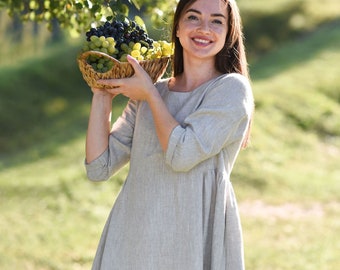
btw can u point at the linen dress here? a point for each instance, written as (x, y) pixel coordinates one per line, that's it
(176, 209)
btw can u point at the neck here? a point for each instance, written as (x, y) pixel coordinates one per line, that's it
(195, 74)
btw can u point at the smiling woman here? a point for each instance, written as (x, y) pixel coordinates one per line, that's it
(182, 135)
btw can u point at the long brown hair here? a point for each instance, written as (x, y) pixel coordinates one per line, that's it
(231, 58)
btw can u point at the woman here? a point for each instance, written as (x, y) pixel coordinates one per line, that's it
(177, 209)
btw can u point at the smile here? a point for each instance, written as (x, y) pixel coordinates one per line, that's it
(202, 41)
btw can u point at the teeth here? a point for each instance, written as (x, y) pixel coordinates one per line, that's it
(201, 40)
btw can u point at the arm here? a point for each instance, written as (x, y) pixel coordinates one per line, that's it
(164, 121)
(99, 124)
(220, 121)
(107, 150)
(140, 87)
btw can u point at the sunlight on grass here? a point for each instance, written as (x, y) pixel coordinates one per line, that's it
(305, 239)
(57, 208)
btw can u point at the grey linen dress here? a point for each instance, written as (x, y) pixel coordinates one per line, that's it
(177, 210)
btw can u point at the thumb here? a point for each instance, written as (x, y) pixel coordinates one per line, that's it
(139, 70)
(134, 63)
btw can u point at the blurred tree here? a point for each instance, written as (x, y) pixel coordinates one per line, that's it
(78, 15)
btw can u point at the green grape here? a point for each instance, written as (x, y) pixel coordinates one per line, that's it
(111, 50)
(109, 65)
(143, 50)
(123, 58)
(137, 46)
(135, 53)
(92, 46)
(125, 48)
(111, 40)
(131, 44)
(92, 58)
(166, 48)
(98, 43)
(103, 50)
(105, 44)
(144, 43)
(94, 38)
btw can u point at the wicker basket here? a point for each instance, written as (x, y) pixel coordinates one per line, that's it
(155, 68)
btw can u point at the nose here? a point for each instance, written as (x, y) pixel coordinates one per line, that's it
(204, 27)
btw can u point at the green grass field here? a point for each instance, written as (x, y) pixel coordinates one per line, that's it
(287, 182)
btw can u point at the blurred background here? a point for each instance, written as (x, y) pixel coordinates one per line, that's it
(287, 181)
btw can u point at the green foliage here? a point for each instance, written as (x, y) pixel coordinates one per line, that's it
(75, 16)
(161, 12)
(70, 14)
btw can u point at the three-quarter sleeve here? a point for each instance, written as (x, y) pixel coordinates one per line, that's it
(118, 152)
(221, 118)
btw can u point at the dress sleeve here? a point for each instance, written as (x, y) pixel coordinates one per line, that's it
(118, 152)
(222, 118)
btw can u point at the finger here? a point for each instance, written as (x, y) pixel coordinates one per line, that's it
(111, 82)
(114, 91)
(134, 63)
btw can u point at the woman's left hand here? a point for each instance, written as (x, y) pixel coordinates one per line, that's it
(137, 87)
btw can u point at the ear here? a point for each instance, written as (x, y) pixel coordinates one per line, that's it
(177, 32)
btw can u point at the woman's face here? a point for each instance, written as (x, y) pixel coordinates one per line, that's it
(202, 28)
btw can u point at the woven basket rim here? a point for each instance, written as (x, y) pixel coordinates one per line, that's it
(83, 56)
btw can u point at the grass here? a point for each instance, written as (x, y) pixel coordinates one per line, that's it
(306, 242)
(294, 158)
(52, 215)
(286, 182)
(297, 111)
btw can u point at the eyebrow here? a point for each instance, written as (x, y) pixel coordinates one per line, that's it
(199, 12)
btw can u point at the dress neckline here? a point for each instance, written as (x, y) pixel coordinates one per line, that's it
(194, 90)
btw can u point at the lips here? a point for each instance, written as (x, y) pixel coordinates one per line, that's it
(202, 41)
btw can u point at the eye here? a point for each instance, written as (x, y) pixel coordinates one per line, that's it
(192, 18)
(216, 21)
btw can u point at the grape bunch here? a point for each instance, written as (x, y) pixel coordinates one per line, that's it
(119, 39)
(122, 31)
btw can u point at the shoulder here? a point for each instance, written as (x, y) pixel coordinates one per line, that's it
(232, 91)
(234, 81)
(232, 84)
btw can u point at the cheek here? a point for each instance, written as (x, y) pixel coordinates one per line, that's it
(223, 36)
(222, 31)
(178, 31)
